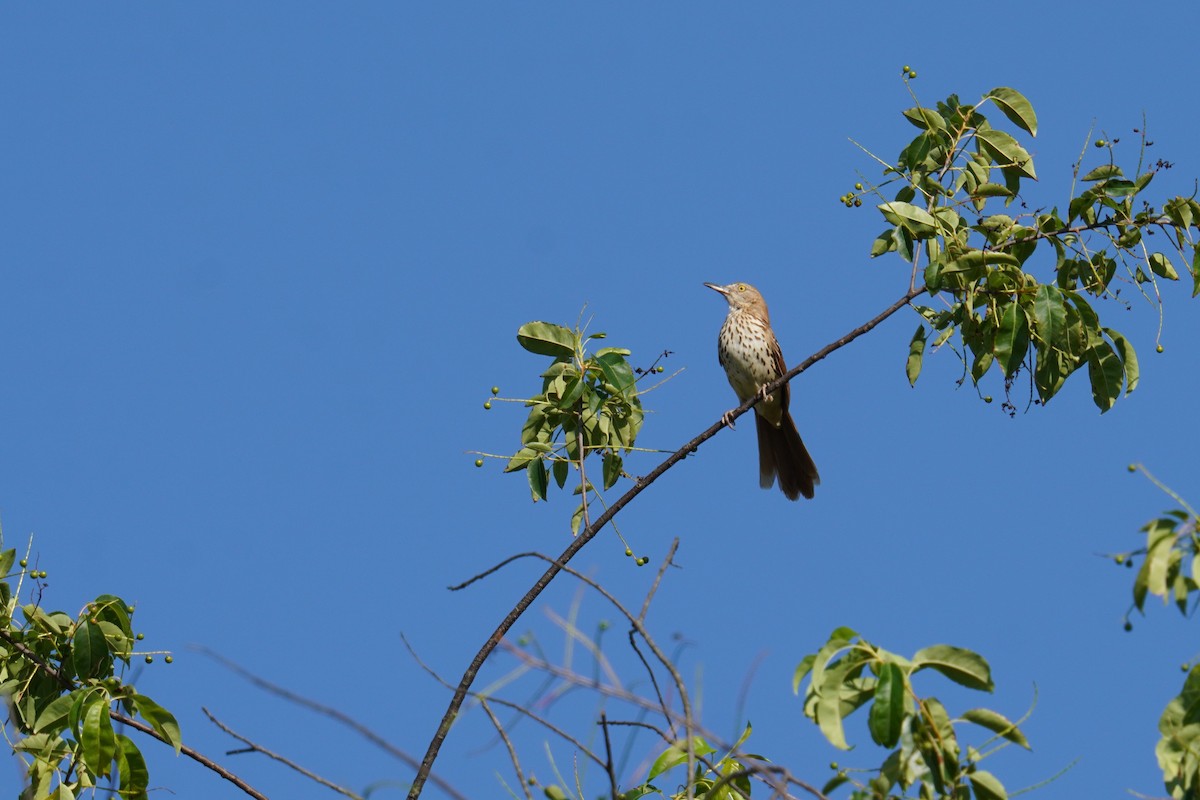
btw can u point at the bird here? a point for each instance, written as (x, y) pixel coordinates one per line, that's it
(750, 353)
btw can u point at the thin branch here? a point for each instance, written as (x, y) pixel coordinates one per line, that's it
(507, 704)
(608, 759)
(614, 692)
(330, 712)
(254, 747)
(512, 753)
(588, 533)
(653, 682)
(658, 579)
(137, 725)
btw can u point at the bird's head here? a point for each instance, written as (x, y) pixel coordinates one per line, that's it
(742, 297)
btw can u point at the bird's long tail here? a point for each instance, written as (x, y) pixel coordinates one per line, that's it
(781, 452)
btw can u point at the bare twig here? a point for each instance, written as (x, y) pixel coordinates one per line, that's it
(254, 747)
(588, 533)
(545, 723)
(512, 753)
(608, 759)
(658, 579)
(332, 713)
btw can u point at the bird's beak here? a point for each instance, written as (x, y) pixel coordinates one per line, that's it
(717, 288)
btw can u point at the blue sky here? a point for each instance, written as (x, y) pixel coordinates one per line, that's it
(261, 267)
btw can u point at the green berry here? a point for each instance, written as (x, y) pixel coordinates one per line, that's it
(906, 68)
(23, 562)
(857, 202)
(129, 609)
(1128, 626)
(149, 659)
(1158, 349)
(987, 399)
(487, 404)
(604, 625)
(1132, 468)
(643, 561)
(1119, 558)
(140, 636)
(628, 552)
(1183, 667)
(43, 574)
(858, 186)
(169, 659)
(1100, 143)
(660, 369)
(833, 765)
(479, 462)
(495, 390)
(912, 73)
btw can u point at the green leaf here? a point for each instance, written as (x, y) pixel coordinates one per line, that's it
(547, 339)
(884, 243)
(1103, 172)
(803, 668)
(1162, 267)
(6, 560)
(916, 351)
(53, 718)
(522, 459)
(1196, 270)
(887, 712)
(132, 768)
(987, 786)
(537, 479)
(1128, 359)
(991, 190)
(612, 469)
(1012, 339)
(677, 754)
(160, 719)
(90, 657)
(959, 665)
(617, 371)
(1106, 374)
(1006, 151)
(97, 740)
(925, 118)
(560, 471)
(917, 221)
(1014, 106)
(1050, 315)
(1118, 187)
(998, 724)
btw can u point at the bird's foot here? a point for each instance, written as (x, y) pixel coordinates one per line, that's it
(727, 418)
(763, 394)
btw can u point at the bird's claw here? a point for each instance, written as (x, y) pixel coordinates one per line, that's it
(727, 418)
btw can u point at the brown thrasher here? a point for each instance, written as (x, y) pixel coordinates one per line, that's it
(750, 354)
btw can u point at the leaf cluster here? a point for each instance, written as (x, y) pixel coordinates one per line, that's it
(724, 778)
(61, 675)
(1170, 570)
(589, 403)
(848, 673)
(979, 264)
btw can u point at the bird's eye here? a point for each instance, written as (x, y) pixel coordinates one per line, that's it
(741, 287)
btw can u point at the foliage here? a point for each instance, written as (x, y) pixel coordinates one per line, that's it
(848, 672)
(589, 403)
(1171, 571)
(62, 677)
(952, 175)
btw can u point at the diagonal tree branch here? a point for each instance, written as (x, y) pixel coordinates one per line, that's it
(588, 533)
